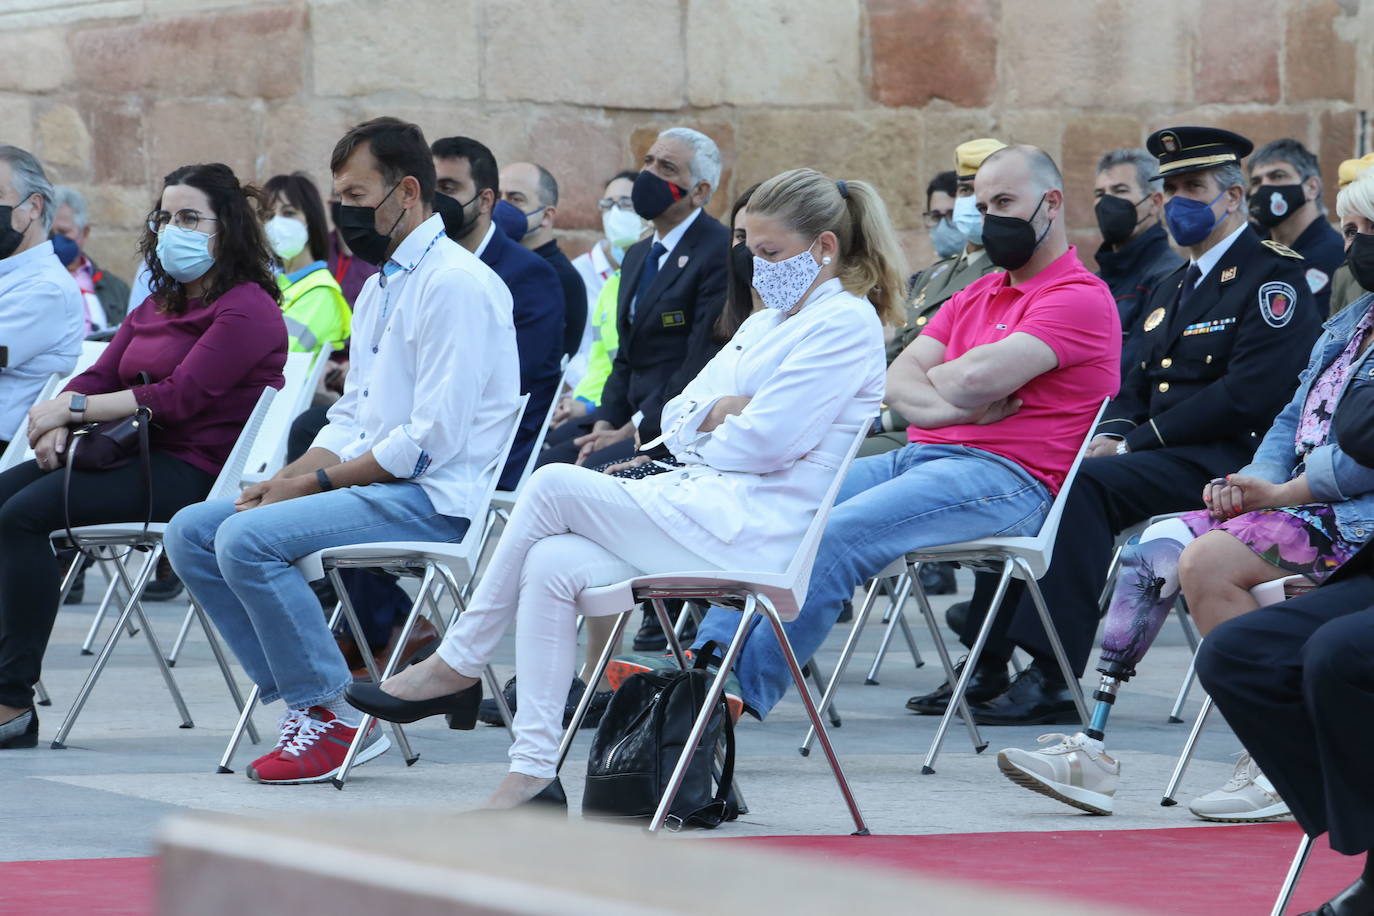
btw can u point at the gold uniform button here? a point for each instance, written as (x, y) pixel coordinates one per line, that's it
(1163, 387)
(1143, 364)
(1165, 363)
(1208, 360)
(920, 321)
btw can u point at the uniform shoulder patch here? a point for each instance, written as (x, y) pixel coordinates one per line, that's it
(1277, 303)
(1281, 249)
(1316, 279)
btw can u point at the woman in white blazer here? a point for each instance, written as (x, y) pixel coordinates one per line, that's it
(761, 432)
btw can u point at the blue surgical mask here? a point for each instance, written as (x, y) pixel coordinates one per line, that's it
(512, 222)
(1190, 221)
(946, 239)
(968, 220)
(66, 250)
(184, 253)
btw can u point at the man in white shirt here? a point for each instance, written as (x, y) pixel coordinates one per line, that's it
(41, 312)
(427, 407)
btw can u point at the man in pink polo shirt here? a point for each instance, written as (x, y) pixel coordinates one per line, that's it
(1001, 386)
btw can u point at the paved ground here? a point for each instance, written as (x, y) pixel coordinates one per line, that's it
(128, 765)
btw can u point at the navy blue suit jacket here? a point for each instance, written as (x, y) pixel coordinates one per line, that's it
(537, 294)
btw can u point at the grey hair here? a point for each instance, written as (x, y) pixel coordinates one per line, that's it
(29, 179)
(705, 156)
(1228, 176)
(1291, 151)
(1357, 197)
(64, 196)
(1146, 167)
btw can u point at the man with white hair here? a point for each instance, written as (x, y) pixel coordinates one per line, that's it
(672, 287)
(106, 296)
(41, 313)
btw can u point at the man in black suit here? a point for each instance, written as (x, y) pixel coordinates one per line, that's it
(1224, 338)
(468, 178)
(672, 287)
(532, 189)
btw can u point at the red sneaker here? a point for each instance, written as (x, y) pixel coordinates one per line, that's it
(315, 750)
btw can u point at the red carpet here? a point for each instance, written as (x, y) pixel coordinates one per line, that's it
(1191, 871)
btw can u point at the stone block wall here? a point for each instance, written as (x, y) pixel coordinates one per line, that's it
(113, 94)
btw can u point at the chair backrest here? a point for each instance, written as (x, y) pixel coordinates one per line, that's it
(227, 485)
(490, 474)
(543, 431)
(1043, 542)
(269, 448)
(18, 450)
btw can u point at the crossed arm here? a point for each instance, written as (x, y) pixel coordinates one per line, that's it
(977, 387)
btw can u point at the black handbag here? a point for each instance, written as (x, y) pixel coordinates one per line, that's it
(105, 446)
(638, 743)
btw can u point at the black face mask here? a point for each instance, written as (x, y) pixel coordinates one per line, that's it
(1271, 204)
(10, 237)
(1011, 241)
(457, 223)
(743, 264)
(1117, 218)
(358, 228)
(1360, 257)
(652, 195)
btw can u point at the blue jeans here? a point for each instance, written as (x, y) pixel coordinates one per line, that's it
(238, 566)
(888, 505)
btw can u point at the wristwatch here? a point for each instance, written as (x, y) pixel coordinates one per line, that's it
(77, 406)
(325, 483)
(1122, 448)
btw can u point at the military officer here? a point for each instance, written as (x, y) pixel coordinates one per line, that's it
(1224, 338)
(937, 283)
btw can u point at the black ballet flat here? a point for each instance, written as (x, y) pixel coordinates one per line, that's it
(551, 796)
(460, 707)
(18, 733)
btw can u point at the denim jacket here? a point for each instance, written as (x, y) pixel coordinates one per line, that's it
(1333, 476)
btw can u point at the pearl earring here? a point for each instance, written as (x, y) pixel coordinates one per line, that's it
(825, 260)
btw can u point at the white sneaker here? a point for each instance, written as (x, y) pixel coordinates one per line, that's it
(1076, 771)
(1247, 797)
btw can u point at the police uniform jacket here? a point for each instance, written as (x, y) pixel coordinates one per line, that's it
(932, 288)
(1324, 250)
(1217, 364)
(1132, 272)
(673, 318)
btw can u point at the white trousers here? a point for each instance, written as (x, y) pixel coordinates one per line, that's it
(572, 528)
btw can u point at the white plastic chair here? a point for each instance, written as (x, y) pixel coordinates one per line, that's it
(1290, 881)
(131, 537)
(778, 596)
(18, 450)
(1266, 593)
(440, 565)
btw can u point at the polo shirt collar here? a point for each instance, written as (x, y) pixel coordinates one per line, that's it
(1053, 272)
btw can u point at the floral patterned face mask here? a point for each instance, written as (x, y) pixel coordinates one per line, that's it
(781, 284)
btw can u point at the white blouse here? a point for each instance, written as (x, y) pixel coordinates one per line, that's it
(752, 485)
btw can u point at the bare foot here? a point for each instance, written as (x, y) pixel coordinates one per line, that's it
(515, 789)
(10, 713)
(424, 681)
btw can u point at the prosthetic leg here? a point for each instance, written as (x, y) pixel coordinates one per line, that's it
(1146, 589)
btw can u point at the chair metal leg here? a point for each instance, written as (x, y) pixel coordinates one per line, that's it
(351, 616)
(910, 640)
(957, 703)
(923, 602)
(1114, 567)
(846, 653)
(1176, 714)
(106, 650)
(900, 591)
(245, 717)
(860, 828)
(1290, 881)
(1052, 634)
(1186, 756)
(101, 610)
(41, 695)
(181, 636)
(1185, 619)
(570, 733)
(815, 675)
(669, 630)
(220, 659)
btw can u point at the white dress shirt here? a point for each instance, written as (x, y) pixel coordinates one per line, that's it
(1212, 255)
(434, 372)
(751, 486)
(674, 236)
(42, 319)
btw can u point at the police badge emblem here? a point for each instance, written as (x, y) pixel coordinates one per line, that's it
(1153, 320)
(1277, 302)
(1277, 205)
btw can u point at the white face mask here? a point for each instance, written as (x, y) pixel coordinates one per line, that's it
(623, 227)
(967, 219)
(287, 236)
(781, 284)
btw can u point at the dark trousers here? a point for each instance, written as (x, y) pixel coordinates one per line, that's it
(1296, 683)
(304, 429)
(559, 448)
(1111, 494)
(30, 574)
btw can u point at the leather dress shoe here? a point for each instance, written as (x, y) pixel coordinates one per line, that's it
(651, 638)
(460, 707)
(1355, 900)
(989, 680)
(956, 615)
(421, 635)
(1031, 699)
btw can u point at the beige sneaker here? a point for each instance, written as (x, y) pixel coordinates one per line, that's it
(1076, 771)
(1248, 797)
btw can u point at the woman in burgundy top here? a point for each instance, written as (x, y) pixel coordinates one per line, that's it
(210, 337)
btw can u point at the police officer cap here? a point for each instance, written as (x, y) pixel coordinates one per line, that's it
(969, 156)
(1351, 168)
(1191, 149)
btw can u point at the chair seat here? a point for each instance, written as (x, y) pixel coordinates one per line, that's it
(619, 597)
(112, 533)
(312, 566)
(503, 499)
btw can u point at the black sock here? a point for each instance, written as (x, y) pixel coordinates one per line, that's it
(1049, 668)
(1368, 873)
(989, 663)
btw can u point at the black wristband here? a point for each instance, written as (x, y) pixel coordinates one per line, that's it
(325, 483)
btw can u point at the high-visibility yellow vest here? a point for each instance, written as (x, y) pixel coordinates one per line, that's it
(605, 342)
(315, 311)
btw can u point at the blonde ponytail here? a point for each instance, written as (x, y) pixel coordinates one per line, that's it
(871, 262)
